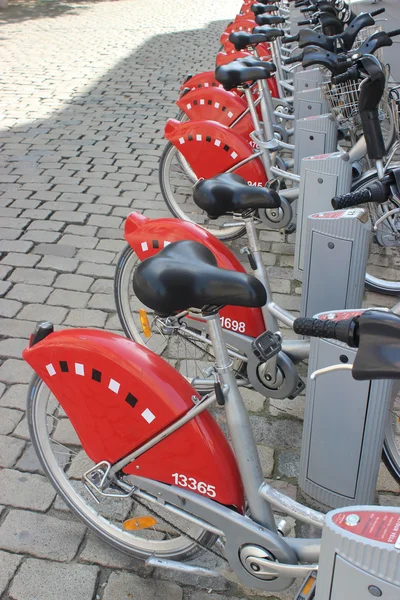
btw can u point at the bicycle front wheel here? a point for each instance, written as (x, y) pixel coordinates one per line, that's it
(391, 446)
(64, 461)
(176, 181)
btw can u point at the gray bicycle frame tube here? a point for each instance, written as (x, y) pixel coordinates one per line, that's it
(240, 430)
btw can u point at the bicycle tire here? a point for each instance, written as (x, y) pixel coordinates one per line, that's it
(102, 527)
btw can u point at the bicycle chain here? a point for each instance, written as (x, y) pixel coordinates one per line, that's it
(203, 546)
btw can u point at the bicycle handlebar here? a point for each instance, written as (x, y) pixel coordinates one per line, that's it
(377, 192)
(352, 74)
(345, 331)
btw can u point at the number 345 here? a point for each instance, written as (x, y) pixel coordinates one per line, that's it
(193, 484)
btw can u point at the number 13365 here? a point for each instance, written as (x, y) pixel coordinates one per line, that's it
(193, 484)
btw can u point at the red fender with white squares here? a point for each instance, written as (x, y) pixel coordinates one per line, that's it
(118, 395)
(211, 148)
(147, 237)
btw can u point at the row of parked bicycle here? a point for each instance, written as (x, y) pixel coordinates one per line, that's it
(289, 119)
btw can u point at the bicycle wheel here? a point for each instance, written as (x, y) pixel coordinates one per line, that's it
(384, 262)
(391, 446)
(176, 181)
(180, 341)
(64, 462)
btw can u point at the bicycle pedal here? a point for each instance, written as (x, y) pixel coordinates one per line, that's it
(301, 386)
(307, 589)
(267, 345)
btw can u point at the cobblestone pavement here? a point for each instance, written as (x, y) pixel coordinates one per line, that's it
(85, 91)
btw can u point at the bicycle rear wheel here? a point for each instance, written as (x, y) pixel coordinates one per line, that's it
(64, 461)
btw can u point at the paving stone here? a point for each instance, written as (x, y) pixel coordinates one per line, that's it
(253, 400)
(10, 450)
(5, 270)
(41, 535)
(16, 259)
(15, 371)
(67, 216)
(15, 397)
(12, 347)
(10, 234)
(98, 552)
(34, 276)
(25, 490)
(78, 581)
(40, 236)
(14, 222)
(85, 318)
(78, 283)
(278, 433)
(9, 419)
(386, 483)
(267, 459)
(78, 241)
(111, 245)
(102, 286)
(121, 586)
(29, 462)
(8, 565)
(22, 430)
(29, 293)
(102, 301)
(68, 298)
(58, 263)
(87, 268)
(2, 389)
(288, 463)
(14, 328)
(56, 250)
(4, 287)
(39, 312)
(14, 245)
(389, 500)
(280, 408)
(96, 256)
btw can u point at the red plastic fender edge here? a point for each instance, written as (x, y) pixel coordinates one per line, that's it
(147, 237)
(118, 395)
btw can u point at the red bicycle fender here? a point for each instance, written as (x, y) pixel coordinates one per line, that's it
(118, 395)
(205, 79)
(211, 148)
(244, 24)
(212, 104)
(147, 237)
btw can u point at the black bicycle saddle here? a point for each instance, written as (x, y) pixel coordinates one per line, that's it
(269, 20)
(185, 275)
(242, 39)
(227, 193)
(260, 9)
(236, 73)
(270, 32)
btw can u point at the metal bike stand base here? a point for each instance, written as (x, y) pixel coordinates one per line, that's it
(314, 136)
(321, 178)
(309, 79)
(337, 246)
(360, 554)
(310, 103)
(344, 425)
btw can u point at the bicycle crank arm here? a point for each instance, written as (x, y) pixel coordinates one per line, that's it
(266, 568)
(173, 565)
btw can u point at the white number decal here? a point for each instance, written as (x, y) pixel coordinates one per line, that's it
(255, 184)
(227, 323)
(192, 484)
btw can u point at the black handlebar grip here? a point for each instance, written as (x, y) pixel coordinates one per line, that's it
(375, 13)
(351, 199)
(307, 22)
(393, 33)
(345, 331)
(310, 8)
(377, 192)
(349, 75)
(293, 59)
(288, 39)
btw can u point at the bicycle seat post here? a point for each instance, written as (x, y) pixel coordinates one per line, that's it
(239, 426)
